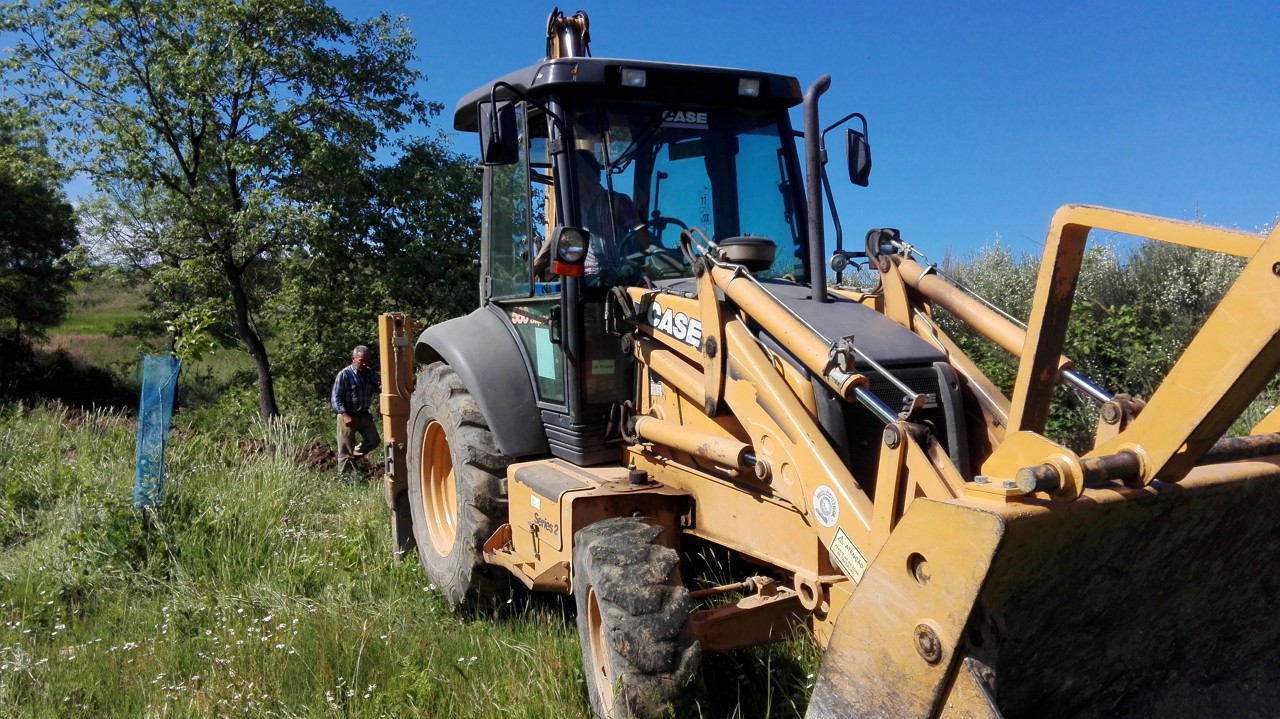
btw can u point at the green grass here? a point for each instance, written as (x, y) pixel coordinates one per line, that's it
(263, 588)
(258, 588)
(97, 310)
(101, 305)
(101, 308)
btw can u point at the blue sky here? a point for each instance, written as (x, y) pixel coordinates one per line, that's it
(984, 117)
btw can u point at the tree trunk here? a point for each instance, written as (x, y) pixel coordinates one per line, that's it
(253, 344)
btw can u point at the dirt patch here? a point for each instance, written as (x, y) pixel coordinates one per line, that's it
(318, 456)
(322, 458)
(66, 342)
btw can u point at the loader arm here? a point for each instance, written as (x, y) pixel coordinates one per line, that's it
(760, 410)
(1207, 389)
(1047, 546)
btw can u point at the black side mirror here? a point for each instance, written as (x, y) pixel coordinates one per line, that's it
(498, 142)
(859, 154)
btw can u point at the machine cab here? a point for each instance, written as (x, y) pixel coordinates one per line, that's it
(631, 154)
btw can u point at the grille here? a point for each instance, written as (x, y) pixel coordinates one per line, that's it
(863, 429)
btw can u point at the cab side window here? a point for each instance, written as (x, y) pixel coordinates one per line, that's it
(507, 214)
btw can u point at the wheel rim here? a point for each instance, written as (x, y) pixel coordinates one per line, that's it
(599, 653)
(439, 490)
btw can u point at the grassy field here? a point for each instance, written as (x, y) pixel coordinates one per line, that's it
(258, 588)
(97, 310)
(261, 587)
(100, 309)
(101, 305)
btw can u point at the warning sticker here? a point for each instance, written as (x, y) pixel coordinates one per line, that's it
(825, 506)
(847, 556)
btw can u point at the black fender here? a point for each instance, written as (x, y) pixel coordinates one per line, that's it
(481, 348)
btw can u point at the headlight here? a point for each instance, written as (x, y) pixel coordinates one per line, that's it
(568, 249)
(633, 77)
(572, 245)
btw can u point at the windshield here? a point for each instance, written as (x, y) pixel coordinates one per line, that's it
(645, 171)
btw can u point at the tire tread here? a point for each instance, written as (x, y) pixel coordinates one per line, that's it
(479, 470)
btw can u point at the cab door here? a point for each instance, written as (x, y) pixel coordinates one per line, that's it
(515, 203)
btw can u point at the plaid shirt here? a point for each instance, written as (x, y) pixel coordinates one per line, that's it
(353, 391)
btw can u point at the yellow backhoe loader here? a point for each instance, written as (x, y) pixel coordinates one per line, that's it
(658, 361)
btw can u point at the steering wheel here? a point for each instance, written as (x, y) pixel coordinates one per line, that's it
(656, 260)
(652, 227)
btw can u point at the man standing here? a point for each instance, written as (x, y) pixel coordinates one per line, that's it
(353, 390)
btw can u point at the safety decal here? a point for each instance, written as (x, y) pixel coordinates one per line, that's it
(847, 556)
(535, 502)
(655, 386)
(825, 506)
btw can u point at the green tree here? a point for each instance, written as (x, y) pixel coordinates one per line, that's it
(208, 121)
(404, 239)
(429, 217)
(37, 234)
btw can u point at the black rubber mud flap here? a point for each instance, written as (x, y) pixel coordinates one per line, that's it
(402, 541)
(484, 353)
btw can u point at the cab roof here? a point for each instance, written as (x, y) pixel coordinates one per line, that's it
(602, 77)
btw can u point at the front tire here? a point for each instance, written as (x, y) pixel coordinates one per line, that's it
(631, 615)
(456, 492)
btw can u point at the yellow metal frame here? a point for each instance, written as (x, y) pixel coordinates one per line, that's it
(1199, 399)
(395, 359)
(703, 410)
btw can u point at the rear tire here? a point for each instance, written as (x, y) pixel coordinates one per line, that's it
(637, 661)
(456, 492)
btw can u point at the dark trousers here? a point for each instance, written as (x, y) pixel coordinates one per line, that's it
(348, 451)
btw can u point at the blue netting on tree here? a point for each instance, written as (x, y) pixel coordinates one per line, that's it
(159, 378)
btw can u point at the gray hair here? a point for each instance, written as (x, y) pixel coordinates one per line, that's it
(359, 350)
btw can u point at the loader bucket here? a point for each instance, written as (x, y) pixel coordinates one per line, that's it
(1159, 601)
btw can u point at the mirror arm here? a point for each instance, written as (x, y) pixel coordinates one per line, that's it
(835, 215)
(555, 118)
(842, 121)
(826, 182)
(515, 92)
